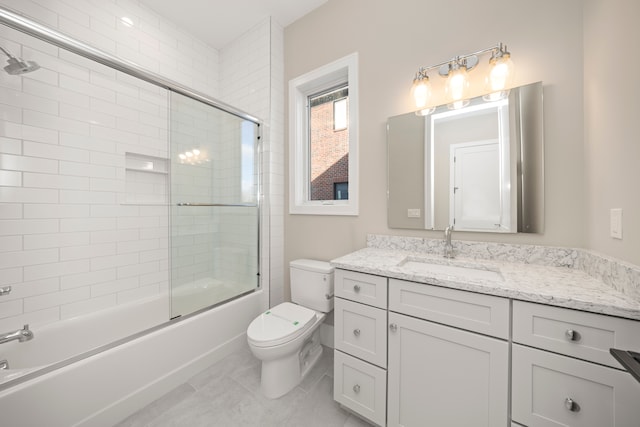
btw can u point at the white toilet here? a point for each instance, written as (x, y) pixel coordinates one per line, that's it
(287, 337)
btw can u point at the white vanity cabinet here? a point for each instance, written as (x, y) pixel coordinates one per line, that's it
(360, 336)
(562, 372)
(438, 373)
(413, 354)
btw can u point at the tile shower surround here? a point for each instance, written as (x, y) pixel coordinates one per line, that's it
(70, 243)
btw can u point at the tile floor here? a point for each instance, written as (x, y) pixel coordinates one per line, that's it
(228, 395)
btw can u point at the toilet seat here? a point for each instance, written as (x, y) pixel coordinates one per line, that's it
(280, 324)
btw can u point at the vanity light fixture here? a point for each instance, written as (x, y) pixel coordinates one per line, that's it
(497, 82)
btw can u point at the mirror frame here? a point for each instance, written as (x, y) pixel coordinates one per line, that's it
(407, 152)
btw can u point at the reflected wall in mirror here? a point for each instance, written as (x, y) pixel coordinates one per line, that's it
(478, 168)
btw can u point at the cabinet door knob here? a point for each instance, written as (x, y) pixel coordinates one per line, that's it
(356, 288)
(356, 388)
(571, 335)
(571, 405)
(393, 327)
(356, 332)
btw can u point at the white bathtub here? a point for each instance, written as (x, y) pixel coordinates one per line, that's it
(106, 387)
(67, 338)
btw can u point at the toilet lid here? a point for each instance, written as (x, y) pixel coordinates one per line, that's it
(280, 324)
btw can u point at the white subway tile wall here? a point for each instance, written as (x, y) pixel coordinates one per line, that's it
(78, 231)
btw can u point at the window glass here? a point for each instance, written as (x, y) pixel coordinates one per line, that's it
(328, 144)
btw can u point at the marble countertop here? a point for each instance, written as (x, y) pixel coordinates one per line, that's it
(559, 286)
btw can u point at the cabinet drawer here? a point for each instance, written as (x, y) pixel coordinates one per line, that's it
(579, 334)
(361, 331)
(481, 313)
(361, 287)
(554, 390)
(360, 386)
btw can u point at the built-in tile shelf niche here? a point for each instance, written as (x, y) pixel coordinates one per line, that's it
(146, 179)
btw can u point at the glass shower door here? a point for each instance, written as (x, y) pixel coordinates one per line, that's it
(214, 205)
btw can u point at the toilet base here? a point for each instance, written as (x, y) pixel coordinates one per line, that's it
(282, 375)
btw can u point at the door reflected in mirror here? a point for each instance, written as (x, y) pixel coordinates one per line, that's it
(478, 168)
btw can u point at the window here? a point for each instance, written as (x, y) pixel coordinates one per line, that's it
(323, 161)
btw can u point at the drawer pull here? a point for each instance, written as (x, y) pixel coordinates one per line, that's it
(356, 388)
(571, 335)
(356, 288)
(571, 405)
(356, 332)
(393, 327)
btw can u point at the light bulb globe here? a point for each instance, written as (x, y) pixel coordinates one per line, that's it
(421, 91)
(501, 74)
(457, 84)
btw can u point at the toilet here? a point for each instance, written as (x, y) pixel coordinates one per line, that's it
(286, 338)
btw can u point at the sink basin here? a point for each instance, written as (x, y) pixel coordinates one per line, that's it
(460, 270)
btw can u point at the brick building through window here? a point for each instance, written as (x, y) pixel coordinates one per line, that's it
(329, 145)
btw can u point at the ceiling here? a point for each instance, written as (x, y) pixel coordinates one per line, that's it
(218, 22)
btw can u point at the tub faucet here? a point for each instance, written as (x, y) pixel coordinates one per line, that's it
(21, 335)
(448, 247)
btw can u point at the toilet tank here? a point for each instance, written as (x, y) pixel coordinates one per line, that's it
(312, 284)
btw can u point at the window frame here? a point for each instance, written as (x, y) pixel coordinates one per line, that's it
(344, 70)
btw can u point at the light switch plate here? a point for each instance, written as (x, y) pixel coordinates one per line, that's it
(616, 223)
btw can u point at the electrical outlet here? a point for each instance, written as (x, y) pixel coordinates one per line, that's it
(616, 223)
(413, 213)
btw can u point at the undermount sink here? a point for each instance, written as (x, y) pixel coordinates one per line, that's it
(432, 267)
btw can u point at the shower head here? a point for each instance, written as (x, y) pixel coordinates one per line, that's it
(18, 65)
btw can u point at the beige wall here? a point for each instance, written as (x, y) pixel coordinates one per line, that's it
(393, 39)
(612, 112)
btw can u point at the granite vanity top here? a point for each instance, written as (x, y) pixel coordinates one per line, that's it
(549, 283)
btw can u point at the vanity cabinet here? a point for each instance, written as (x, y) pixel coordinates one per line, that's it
(360, 336)
(439, 374)
(563, 374)
(413, 354)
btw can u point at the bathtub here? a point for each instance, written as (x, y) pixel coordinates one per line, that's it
(65, 339)
(111, 382)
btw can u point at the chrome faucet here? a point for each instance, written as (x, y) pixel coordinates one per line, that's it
(21, 335)
(448, 247)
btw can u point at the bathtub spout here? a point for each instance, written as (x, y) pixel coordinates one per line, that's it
(22, 335)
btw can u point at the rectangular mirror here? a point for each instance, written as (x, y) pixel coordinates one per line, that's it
(478, 168)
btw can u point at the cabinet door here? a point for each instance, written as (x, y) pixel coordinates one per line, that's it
(551, 390)
(442, 376)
